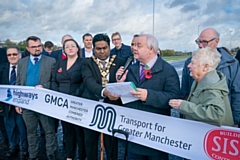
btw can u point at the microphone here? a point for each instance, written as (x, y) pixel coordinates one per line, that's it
(127, 64)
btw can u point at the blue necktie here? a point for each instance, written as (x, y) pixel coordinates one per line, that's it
(13, 76)
(36, 60)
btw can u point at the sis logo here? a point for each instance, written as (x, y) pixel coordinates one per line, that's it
(221, 144)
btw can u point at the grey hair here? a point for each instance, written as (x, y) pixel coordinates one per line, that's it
(151, 41)
(208, 56)
(65, 36)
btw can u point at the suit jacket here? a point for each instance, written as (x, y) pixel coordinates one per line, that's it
(46, 68)
(3, 55)
(68, 81)
(238, 56)
(83, 53)
(124, 52)
(163, 86)
(57, 55)
(4, 79)
(93, 81)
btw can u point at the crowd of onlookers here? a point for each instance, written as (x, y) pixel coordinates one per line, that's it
(210, 90)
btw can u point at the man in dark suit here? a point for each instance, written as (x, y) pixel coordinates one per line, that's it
(87, 51)
(238, 58)
(157, 82)
(14, 123)
(121, 50)
(3, 59)
(35, 70)
(97, 71)
(59, 54)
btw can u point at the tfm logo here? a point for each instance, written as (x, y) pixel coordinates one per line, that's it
(222, 144)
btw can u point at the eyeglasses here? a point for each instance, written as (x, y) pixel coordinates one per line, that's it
(12, 54)
(116, 39)
(68, 47)
(204, 42)
(35, 47)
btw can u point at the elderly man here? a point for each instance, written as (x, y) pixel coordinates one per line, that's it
(59, 54)
(121, 50)
(15, 126)
(157, 82)
(228, 66)
(35, 70)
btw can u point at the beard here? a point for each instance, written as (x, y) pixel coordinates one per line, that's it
(37, 53)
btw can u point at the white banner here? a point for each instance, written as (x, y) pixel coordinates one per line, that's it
(189, 139)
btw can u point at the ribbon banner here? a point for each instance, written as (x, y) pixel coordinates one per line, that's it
(189, 139)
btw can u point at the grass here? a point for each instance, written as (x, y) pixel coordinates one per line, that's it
(175, 58)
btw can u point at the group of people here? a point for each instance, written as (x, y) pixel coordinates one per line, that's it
(210, 90)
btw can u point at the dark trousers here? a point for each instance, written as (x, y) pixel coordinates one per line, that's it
(74, 137)
(16, 129)
(31, 120)
(132, 156)
(91, 144)
(3, 129)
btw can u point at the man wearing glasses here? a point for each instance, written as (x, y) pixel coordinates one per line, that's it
(228, 66)
(121, 50)
(35, 70)
(15, 126)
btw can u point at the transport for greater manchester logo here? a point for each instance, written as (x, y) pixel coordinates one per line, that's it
(104, 117)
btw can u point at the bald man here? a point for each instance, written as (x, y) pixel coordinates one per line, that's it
(59, 54)
(228, 66)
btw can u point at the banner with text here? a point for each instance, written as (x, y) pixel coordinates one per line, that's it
(189, 139)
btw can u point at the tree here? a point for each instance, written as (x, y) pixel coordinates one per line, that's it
(22, 45)
(9, 43)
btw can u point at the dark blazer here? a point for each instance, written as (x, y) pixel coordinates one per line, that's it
(124, 52)
(3, 55)
(163, 86)
(238, 56)
(46, 68)
(93, 81)
(68, 81)
(4, 79)
(83, 53)
(57, 55)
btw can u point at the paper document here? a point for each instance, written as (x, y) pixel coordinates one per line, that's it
(123, 89)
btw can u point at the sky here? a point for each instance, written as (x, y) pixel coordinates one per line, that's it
(175, 23)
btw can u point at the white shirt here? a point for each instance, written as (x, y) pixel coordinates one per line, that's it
(88, 54)
(10, 70)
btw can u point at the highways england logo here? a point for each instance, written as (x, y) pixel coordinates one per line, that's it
(9, 95)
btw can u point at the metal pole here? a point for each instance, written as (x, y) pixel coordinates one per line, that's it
(153, 14)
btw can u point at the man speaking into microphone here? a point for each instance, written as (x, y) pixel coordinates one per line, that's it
(156, 81)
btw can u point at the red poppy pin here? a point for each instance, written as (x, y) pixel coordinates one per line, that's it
(147, 73)
(60, 70)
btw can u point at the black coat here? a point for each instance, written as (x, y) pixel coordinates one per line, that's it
(4, 79)
(68, 81)
(93, 80)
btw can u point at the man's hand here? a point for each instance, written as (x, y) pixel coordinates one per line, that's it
(140, 94)
(120, 72)
(111, 96)
(39, 86)
(18, 110)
